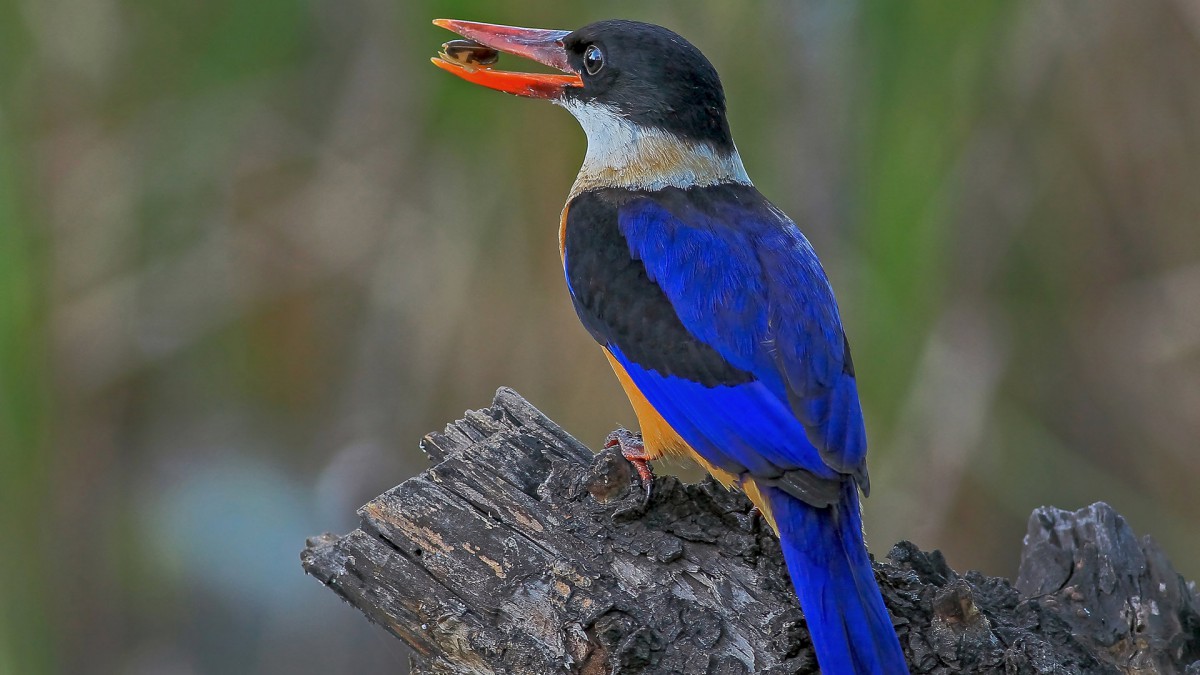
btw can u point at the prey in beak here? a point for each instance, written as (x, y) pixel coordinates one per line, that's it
(473, 64)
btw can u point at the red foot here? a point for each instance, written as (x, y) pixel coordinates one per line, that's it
(633, 450)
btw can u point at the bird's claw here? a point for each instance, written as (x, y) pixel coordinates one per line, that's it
(634, 451)
(756, 518)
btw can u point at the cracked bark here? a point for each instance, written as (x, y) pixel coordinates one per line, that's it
(520, 551)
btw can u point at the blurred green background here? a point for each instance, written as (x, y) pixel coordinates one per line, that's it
(250, 252)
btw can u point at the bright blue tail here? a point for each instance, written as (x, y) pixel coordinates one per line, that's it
(827, 559)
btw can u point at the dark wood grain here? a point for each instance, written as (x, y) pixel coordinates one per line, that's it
(520, 551)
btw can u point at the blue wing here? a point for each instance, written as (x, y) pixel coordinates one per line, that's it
(723, 317)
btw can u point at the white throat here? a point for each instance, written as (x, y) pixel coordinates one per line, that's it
(622, 154)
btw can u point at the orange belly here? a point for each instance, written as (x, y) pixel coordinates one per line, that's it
(658, 436)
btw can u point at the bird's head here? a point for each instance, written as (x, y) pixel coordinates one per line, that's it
(651, 104)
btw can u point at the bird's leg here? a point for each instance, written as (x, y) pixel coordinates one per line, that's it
(634, 450)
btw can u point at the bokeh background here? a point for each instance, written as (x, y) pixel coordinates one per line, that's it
(250, 252)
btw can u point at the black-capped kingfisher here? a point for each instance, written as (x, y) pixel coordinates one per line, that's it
(711, 306)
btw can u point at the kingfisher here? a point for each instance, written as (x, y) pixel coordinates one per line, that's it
(710, 305)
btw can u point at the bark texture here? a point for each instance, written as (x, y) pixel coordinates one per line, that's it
(520, 551)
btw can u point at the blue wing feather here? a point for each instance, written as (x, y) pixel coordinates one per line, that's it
(740, 428)
(744, 280)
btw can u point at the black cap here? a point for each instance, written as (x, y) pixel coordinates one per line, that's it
(652, 76)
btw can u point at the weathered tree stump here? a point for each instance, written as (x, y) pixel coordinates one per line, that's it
(522, 552)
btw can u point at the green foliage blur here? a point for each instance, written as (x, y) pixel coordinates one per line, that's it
(250, 252)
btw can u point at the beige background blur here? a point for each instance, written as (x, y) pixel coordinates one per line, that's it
(250, 252)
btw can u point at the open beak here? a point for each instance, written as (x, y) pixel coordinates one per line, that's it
(543, 46)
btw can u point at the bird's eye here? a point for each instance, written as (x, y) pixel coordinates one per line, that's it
(593, 59)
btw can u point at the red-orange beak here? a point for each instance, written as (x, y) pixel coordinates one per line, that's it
(543, 46)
